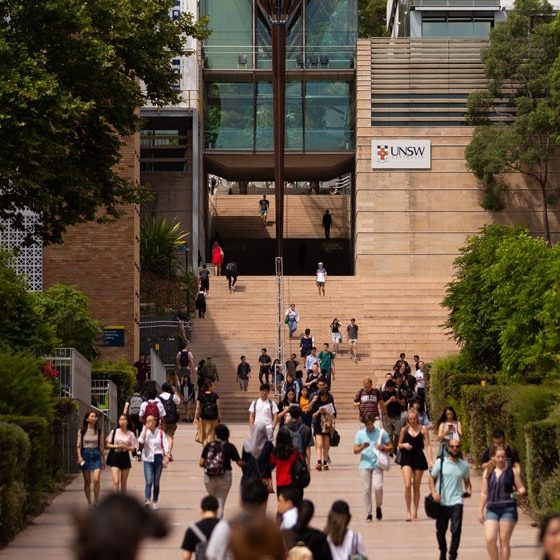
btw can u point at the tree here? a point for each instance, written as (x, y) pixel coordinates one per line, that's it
(73, 75)
(522, 65)
(372, 18)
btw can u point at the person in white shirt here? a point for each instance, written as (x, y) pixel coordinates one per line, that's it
(264, 410)
(152, 398)
(170, 422)
(289, 498)
(155, 456)
(421, 384)
(311, 359)
(343, 542)
(292, 319)
(321, 279)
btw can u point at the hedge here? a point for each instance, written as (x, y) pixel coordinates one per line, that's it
(14, 462)
(39, 473)
(120, 373)
(542, 442)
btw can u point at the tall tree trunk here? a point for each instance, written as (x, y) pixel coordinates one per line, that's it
(243, 187)
(546, 226)
(314, 187)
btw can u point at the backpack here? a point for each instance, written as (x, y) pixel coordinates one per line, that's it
(201, 545)
(306, 344)
(209, 409)
(204, 274)
(254, 407)
(152, 410)
(300, 473)
(134, 405)
(231, 268)
(184, 358)
(171, 414)
(297, 440)
(215, 458)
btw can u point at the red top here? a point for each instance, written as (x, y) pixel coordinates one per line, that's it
(283, 469)
(217, 255)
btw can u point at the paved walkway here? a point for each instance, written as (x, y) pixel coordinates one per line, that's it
(50, 535)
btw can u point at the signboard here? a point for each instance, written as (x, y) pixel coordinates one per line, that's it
(113, 336)
(401, 154)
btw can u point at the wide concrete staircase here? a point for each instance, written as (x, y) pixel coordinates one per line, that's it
(237, 216)
(394, 315)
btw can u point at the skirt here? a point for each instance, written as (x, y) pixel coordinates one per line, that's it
(119, 459)
(92, 459)
(416, 460)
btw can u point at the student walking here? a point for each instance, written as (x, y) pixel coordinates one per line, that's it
(368, 443)
(343, 542)
(155, 456)
(414, 440)
(217, 257)
(120, 442)
(352, 334)
(201, 531)
(336, 335)
(327, 223)
(291, 318)
(216, 461)
(305, 344)
(264, 410)
(321, 278)
(231, 275)
(90, 457)
(323, 412)
(265, 361)
(255, 457)
(204, 278)
(263, 209)
(455, 473)
(207, 413)
(449, 428)
(501, 485)
(200, 303)
(243, 374)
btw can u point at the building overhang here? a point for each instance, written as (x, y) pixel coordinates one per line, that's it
(240, 166)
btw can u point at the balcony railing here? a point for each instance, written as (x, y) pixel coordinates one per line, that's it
(104, 398)
(74, 373)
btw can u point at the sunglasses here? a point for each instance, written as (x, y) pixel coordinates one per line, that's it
(453, 446)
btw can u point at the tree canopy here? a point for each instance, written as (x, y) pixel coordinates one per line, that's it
(371, 18)
(73, 75)
(523, 68)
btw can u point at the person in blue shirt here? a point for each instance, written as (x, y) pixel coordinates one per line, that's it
(455, 472)
(368, 443)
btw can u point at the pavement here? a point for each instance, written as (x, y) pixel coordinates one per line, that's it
(50, 535)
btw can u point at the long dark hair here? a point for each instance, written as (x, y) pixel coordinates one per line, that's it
(443, 417)
(284, 447)
(85, 424)
(288, 402)
(306, 511)
(543, 528)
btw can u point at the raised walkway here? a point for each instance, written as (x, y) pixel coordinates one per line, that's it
(50, 535)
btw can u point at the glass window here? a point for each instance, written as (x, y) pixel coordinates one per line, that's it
(294, 116)
(265, 117)
(331, 33)
(228, 117)
(457, 25)
(230, 44)
(434, 26)
(329, 116)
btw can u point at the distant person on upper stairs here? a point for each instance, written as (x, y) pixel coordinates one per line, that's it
(265, 361)
(305, 344)
(231, 275)
(400, 361)
(243, 374)
(200, 303)
(291, 318)
(210, 371)
(204, 276)
(336, 335)
(217, 257)
(143, 369)
(263, 209)
(352, 333)
(327, 223)
(321, 278)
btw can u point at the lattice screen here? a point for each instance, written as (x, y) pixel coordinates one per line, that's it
(29, 261)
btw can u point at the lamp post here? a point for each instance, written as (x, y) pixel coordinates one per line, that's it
(279, 13)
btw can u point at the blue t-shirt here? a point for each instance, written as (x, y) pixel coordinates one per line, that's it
(453, 475)
(368, 457)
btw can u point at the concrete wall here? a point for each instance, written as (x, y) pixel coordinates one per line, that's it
(103, 260)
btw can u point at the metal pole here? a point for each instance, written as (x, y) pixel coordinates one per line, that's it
(279, 312)
(279, 109)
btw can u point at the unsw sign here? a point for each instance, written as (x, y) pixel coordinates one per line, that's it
(401, 154)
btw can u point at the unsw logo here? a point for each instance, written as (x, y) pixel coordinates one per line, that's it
(382, 152)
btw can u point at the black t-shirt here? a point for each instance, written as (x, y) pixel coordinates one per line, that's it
(230, 454)
(394, 408)
(243, 370)
(190, 540)
(512, 456)
(265, 361)
(205, 399)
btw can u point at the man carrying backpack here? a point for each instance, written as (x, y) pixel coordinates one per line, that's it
(231, 275)
(184, 363)
(132, 408)
(198, 534)
(152, 407)
(302, 439)
(170, 403)
(204, 276)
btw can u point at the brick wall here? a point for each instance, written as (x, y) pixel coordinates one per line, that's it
(103, 260)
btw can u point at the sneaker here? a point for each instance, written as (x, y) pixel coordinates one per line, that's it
(369, 517)
(325, 467)
(319, 467)
(378, 513)
(147, 504)
(155, 506)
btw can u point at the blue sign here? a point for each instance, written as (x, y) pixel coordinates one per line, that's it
(113, 336)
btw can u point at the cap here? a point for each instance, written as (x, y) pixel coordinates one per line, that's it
(340, 506)
(320, 264)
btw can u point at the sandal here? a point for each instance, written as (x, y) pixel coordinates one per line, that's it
(319, 467)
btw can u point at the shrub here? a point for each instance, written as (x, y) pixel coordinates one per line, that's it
(120, 373)
(25, 391)
(39, 472)
(549, 496)
(542, 440)
(14, 461)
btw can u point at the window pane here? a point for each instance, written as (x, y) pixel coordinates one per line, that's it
(434, 26)
(460, 27)
(294, 116)
(265, 117)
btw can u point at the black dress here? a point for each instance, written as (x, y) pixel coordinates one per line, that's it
(414, 458)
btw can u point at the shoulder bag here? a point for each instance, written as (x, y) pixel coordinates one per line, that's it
(431, 507)
(111, 453)
(383, 460)
(354, 554)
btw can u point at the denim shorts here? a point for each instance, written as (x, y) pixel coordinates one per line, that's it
(501, 513)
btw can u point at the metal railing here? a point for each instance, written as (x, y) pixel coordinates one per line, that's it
(163, 335)
(74, 373)
(158, 372)
(104, 397)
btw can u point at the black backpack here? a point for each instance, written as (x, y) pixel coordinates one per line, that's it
(184, 358)
(171, 414)
(232, 268)
(300, 473)
(209, 409)
(204, 274)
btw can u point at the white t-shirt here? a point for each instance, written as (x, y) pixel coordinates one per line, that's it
(264, 411)
(321, 275)
(343, 551)
(420, 383)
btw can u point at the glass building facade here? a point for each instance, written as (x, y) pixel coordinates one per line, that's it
(320, 54)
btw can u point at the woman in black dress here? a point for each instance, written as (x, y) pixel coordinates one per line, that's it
(323, 413)
(413, 441)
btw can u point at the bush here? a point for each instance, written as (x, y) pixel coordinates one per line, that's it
(25, 391)
(40, 471)
(14, 460)
(549, 496)
(120, 373)
(542, 440)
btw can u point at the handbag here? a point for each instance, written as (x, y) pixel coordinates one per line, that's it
(111, 454)
(383, 461)
(431, 507)
(335, 438)
(286, 319)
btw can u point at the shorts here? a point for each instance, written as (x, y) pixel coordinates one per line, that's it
(120, 460)
(170, 429)
(320, 284)
(501, 513)
(336, 337)
(352, 341)
(264, 212)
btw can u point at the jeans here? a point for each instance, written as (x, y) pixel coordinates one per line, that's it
(219, 487)
(152, 474)
(366, 476)
(292, 326)
(455, 515)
